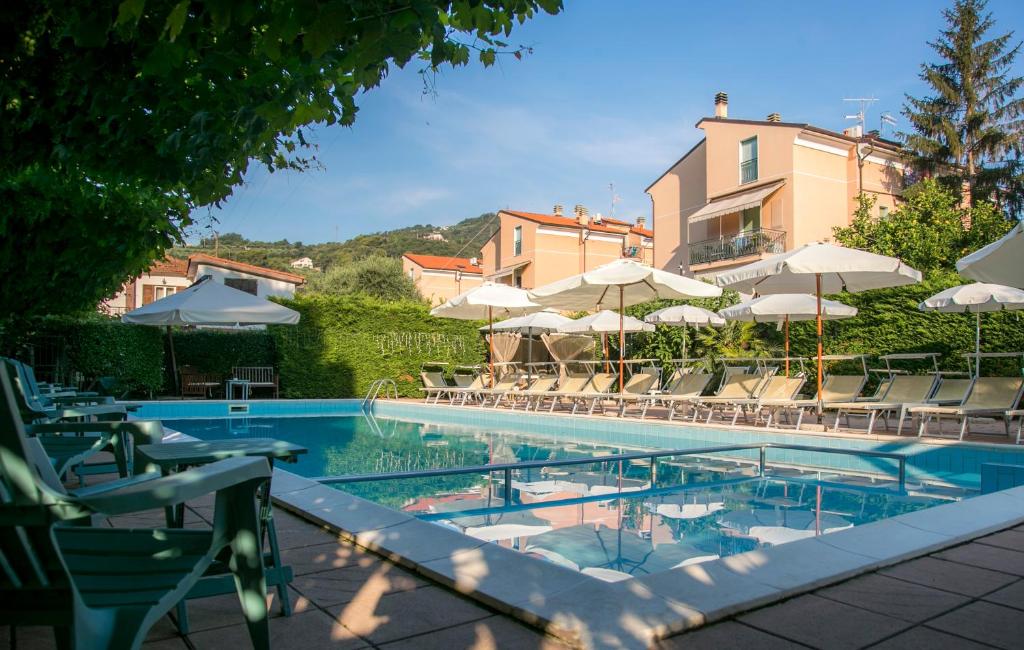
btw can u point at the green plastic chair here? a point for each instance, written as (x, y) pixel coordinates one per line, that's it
(33, 410)
(106, 587)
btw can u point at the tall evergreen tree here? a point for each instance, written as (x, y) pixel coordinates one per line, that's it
(970, 130)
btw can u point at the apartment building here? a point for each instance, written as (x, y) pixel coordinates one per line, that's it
(439, 278)
(753, 188)
(531, 249)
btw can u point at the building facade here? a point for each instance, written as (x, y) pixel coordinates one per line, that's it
(440, 278)
(531, 249)
(170, 275)
(753, 188)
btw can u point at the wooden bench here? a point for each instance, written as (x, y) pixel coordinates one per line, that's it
(198, 384)
(257, 376)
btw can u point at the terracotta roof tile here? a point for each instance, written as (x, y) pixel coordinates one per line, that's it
(562, 222)
(169, 266)
(441, 263)
(243, 267)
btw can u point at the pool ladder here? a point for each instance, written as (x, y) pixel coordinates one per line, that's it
(371, 395)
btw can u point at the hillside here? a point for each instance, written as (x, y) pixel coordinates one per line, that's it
(464, 238)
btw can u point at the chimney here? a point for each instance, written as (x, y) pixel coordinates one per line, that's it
(641, 222)
(581, 214)
(721, 105)
(558, 209)
(598, 218)
(855, 131)
(774, 117)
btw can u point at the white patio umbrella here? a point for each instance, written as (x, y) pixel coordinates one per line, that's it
(480, 302)
(976, 298)
(605, 322)
(1001, 262)
(786, 307)
(541, 322)
(208, 302)
(633, 282)
(683, 315)
(821, 269)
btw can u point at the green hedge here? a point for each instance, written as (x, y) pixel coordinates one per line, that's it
(218, 351)
(343, 343)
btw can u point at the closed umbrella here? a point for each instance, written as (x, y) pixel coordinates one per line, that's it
(209, 303)
(1001, 262)
(786, 307)
(683, 315)
(819, 269)
(978, 297)
(480, 302)
(633, 282)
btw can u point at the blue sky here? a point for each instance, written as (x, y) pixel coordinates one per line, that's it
(610, 94)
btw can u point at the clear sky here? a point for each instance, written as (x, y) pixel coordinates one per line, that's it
(610, 95)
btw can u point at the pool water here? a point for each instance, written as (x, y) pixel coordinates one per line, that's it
(609, 518)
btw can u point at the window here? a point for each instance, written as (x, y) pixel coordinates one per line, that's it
(242, 284)
(412, 274)
(883, 212)
(750, 219)
(152, 292)
(517, 241)
(748, 160)
(517, 278)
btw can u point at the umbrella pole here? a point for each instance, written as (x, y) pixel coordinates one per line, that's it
(977, 344)
(490, 341)
(817, 286)
(174, 361)
(787, 344)
(684, 343)
(622, 339)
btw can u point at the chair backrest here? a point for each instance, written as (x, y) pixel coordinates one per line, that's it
(782, 387)
(508, 382)
(691, 385)
(640, 383)
(464, 379)
(842, 388)
(543, 384)
(29, 409)
(254, 374)
(433, 379)
(951, 390)
(995, 393)
(909, 389)
(740, 385)
(573, 383)
(602, 382)
(198, 383)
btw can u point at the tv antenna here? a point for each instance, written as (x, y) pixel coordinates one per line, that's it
(615, 198)
(884, 119)
(863, 104)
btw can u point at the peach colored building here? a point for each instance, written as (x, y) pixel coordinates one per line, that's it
(752, 188)
(531, 249)
(440, 278)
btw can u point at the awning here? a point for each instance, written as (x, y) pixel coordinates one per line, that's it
(727, 205)
(500, 273)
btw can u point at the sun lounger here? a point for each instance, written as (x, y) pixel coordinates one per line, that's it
(473, 390)
(567, 385)
(835, 389)
(903, 389)
(686, 390)
(1019, 414)
(776, 387)
(989, 397)
(951, 391)
(637, 389)
(434, 385)
(502, 387)
(540, 387)
(595, 390)
(737, 386)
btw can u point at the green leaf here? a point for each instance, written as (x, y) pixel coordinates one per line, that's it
(487, 57)
(130, 11)
(176, 20)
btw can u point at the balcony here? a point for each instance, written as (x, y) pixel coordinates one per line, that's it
(753, 242)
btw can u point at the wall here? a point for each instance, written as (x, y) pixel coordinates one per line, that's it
(438, 286)
(265, 287)
(821, 194)
(674, 197)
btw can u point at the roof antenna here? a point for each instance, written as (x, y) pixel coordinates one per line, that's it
(860, 115)
(615, 198)
(886, 118)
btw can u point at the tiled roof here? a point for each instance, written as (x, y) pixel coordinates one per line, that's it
(643, 232)
(441, 263)
(242, 267)
(169, 266)
(562, 222)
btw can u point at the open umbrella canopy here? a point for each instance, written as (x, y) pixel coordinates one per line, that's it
(606, 322)
(682, 315)
(977, 297)
(479, 303)
(638, 283)
(536, 323)
(211, 303)
(839, 268)
(1001, 262)
(779, 307)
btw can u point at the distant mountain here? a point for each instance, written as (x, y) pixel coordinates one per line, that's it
(464, 239)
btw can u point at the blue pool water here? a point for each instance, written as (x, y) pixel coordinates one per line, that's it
(613, 519)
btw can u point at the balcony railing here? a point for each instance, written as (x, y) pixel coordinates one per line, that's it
(753, 242)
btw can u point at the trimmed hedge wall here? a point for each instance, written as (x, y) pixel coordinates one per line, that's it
(343, 343)
(218, 351)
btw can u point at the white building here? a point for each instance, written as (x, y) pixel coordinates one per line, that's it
(302, 263)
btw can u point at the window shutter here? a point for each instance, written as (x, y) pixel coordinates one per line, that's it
(147, 294)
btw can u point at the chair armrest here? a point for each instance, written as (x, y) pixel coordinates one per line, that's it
(116, 484)
(80, 399)
(142, 431)
(178, 488)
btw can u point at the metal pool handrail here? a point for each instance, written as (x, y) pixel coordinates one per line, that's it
(508, 468)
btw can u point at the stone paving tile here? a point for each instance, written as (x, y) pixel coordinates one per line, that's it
(308, 630)
(398, 615)
(297, 537)
(1010, 539)
(166, 644)
(923, 638)
(950, 576)
(986, 557)
(823, 623)
(892, 597)
(728, 635)
(494, 633)
(323, 557)
(1012, 596)
(224, 610)
(339, 586)
(989, 623)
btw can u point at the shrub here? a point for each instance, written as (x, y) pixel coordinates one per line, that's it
(218, 351)
(377, 276)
